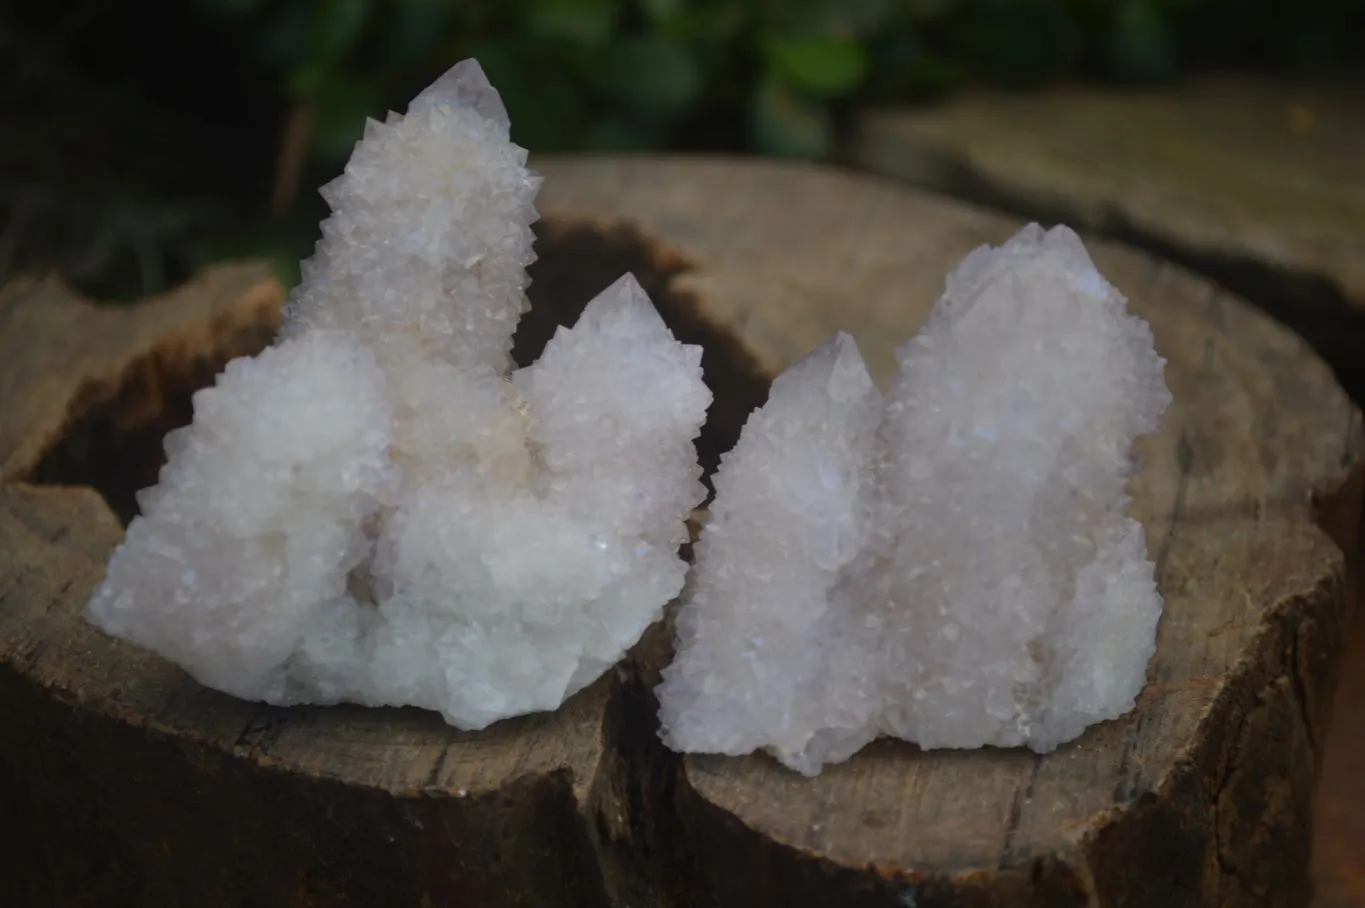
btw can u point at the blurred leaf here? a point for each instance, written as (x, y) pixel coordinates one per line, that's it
(286, 266)
(547, 110)
(337, 27)
(1140, 47)
(824, 67)
(584, 22)
(805, 18)
(893, 54)
(787, 125)
(283, 241)
(1017, 43)
(866, 17)
(932, 76)
(284, 261)
(712, 23)
(930, 9)
(341, 105)
(307, 80)
(655, 76)
(417, 27)
(662, 11)
(844, 19)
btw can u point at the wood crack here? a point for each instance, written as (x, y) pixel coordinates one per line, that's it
(433, 779)
(1022, 795)
(583, 807)
(1294, 672)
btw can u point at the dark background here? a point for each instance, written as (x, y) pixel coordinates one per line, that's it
(139, 140)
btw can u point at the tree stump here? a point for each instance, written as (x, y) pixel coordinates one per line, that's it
(1202, 795)
(1258, 183)
(133, 785)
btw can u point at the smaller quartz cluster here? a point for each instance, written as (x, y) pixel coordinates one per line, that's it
(949, 563)
(378, 509)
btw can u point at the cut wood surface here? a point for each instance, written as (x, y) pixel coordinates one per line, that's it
(1339, 823)
(1201, 795)
(1260, 183)
(133, 785)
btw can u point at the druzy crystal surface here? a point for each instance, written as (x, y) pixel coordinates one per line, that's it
(949, 562)
(378, 509)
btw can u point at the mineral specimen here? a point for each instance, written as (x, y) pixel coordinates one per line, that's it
(949, 563)
(377, 509)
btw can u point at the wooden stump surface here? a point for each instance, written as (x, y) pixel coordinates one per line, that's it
(1339, 821)
(136, 786)
(1198, 797)
(1261, 183)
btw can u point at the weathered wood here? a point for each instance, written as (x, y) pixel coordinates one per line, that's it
(1202, 795)
(1259, 184)
(81, 375)
(131, 784)
(136, 786)
(1339, 821)
(1339, 825)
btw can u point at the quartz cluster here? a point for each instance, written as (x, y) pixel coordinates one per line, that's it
(378, 509)
(949, 563)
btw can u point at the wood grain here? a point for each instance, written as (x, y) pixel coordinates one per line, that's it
(136, 786)
(1339, 825)
(1259, 184)
(1339, 821)
(1199, 797)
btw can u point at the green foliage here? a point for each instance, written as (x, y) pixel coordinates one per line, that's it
(579, 74)
(1139, 46)
(129, 179)
(787, 124)
(827, 66)
(767, 75)
(582, 23)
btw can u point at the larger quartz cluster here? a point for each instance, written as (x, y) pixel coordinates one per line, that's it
(949, 563)
(377, 509)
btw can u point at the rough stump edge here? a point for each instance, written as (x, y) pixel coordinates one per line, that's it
(385, 847)
(1151, 819)
(163, 363)
(622, 840)
(1169, 846)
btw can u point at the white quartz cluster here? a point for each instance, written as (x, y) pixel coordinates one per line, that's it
(377, 509)
(949, 563)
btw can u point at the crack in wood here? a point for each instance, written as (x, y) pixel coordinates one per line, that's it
(321, 829)
(1184, 454)
(438, 768)
(1022, 795)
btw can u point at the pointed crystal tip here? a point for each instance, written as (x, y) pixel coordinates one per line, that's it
(837, 365)
(624, 308)
(465, 85)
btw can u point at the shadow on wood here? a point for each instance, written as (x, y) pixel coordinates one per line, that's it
(136, 786)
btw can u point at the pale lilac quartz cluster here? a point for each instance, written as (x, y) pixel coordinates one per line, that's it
(949, 563)
(378, 509)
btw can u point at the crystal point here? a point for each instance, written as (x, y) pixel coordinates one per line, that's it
(625, 309)
(465, 85)
(948, 563)
(377, 509)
